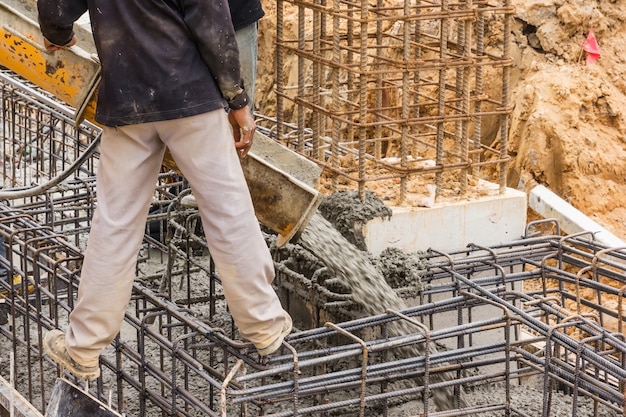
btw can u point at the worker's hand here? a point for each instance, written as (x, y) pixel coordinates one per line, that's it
(54, 47)
(244, 127)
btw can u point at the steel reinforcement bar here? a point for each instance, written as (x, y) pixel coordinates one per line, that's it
(544, 307)
(171, 357)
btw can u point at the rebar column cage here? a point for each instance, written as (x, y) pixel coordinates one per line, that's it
(392, 91)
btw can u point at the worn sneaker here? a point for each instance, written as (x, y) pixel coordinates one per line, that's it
(273, 347)
(54, 345)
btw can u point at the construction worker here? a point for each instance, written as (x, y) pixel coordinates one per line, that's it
(169, 69)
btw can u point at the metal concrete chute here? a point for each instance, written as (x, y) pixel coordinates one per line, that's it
(281, 201)
(281, 182)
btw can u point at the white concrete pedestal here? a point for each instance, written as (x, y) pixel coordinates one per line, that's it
(451, 225)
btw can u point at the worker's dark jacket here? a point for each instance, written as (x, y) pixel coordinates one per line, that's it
(245, 12)
(161, 59)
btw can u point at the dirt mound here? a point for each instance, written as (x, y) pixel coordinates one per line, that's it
(567, 127)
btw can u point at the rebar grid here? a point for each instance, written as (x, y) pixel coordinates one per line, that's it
(170, 358)
(39, 142)
(394, 90)
(548, 307)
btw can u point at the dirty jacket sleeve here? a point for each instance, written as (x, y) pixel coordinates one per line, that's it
(210, 25)
(245, 12)
(57, 17)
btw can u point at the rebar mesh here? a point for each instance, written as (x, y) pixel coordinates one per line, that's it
(172, 358)
(546, 308)
(39, 142)
(382, 91)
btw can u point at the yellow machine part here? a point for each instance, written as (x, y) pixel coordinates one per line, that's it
(17, 282)
(70, 75)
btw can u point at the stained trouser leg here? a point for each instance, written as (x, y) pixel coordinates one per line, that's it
(130, 158)
(203, 149)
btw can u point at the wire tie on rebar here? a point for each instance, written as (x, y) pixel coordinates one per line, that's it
(537, 299)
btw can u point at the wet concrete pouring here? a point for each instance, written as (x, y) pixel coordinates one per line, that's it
(364, 286)
(335, 236)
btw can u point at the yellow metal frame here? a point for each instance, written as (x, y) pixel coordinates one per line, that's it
(71, 75)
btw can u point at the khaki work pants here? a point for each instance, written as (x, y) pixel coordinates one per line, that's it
(131, 157)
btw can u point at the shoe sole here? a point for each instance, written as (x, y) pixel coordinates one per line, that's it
(52, 337)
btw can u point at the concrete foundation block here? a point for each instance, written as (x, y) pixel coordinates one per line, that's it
(451, 225)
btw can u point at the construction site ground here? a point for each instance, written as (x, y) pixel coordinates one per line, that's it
(178, 344)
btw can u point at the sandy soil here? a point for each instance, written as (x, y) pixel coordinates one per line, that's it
(570, 110)
(567, 125)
